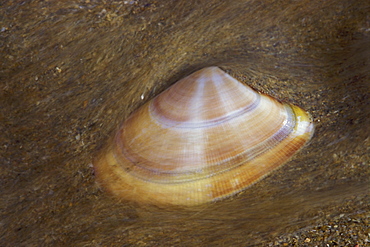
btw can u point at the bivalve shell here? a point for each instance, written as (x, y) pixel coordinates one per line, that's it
(205, 138)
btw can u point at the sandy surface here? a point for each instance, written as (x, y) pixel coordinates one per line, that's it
(72, 71)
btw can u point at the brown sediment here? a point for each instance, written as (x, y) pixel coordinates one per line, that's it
(72, 71)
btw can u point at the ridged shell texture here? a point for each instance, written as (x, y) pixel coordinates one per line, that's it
(205, 138)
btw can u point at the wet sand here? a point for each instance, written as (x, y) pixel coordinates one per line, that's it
(72, 71)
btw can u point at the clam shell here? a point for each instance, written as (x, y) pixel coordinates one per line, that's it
(205, 138)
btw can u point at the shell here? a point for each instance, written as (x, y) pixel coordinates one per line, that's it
(205, 138)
